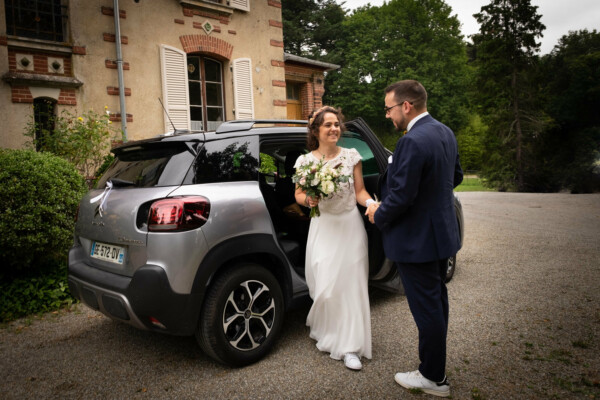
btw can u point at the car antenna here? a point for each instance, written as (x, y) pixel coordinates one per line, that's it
(167, 114)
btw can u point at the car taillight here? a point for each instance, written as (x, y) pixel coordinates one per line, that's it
(178, 214)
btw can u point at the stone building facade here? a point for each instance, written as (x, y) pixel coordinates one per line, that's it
(208, 61)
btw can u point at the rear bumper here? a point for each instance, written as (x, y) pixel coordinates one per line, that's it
(145, 297)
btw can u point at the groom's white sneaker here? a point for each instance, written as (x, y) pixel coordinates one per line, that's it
(414, 380)
(352, 361)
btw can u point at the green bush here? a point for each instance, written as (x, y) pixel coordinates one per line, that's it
(390, 139)
(34, 293)
(39, 194)
(82, 140)
(108, 160)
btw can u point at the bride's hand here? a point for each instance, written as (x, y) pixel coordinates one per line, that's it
(311, 201)
(370, 212)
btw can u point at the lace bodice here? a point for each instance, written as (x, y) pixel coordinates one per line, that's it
(344, 199)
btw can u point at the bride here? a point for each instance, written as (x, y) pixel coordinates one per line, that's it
(337, 264)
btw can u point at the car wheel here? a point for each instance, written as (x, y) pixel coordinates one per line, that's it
(242, 315)
(450, 267)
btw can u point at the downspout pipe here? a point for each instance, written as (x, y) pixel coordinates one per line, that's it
(120, 70)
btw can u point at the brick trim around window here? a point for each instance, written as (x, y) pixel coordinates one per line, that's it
(207, 45)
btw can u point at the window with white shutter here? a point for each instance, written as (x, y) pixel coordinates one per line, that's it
(175, 87)
(205, 80)
(243, 5)
(242, 82)
(240, 4)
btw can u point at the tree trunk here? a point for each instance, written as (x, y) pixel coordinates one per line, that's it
(517, 116)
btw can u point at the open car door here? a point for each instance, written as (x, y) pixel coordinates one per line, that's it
(374, 164)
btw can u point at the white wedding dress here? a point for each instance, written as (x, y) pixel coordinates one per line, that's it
(337, 269)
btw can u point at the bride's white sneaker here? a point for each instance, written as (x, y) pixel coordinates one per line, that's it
(352, 361)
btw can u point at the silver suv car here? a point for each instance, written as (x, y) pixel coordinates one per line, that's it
(193, 234)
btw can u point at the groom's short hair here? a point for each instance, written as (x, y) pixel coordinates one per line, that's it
(411, 91)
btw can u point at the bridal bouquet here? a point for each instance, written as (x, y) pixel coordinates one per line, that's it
(319, 180)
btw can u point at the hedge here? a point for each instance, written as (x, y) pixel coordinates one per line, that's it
(39, 195)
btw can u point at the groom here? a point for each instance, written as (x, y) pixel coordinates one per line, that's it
(418, 224)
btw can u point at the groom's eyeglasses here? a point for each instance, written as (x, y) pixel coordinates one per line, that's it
(388, 109)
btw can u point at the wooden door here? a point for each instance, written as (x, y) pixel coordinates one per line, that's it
(294, 101)
(294, 109)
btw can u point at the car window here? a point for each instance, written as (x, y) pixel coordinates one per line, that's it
(277, 154)
(227, 160)
(148, 165)
(351, 140)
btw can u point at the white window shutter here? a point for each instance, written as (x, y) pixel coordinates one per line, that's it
(175, 87)
(242, 82)
(240, 4)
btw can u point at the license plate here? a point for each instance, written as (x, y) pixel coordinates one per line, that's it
(108, 252)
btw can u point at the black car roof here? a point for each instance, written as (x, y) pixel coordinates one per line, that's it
(228, 129)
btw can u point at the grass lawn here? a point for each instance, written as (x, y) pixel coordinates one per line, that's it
(472, 183)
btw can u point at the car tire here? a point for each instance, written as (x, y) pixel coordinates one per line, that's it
(450, 268)
(242, 315)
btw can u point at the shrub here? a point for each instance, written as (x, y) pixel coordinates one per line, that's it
(108, 160)
(82, 140)
(34, 293)
(390, 139)
(39, 194)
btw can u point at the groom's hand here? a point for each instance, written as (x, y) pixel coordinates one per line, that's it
(370, 212)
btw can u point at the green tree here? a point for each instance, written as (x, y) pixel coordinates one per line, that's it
(505, 50)
(570, 81)
(402, 39)
(470, 143)
(312, 28)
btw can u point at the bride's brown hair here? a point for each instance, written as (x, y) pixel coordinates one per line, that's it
(315, 120)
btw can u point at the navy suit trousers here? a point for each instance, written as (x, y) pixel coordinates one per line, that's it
(427, 296)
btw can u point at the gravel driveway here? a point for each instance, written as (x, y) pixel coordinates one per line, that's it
(524, 324)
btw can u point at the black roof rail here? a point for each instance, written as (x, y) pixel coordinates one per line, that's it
(247, 124)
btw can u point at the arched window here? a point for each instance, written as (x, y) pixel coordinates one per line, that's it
(205, 82)
(44, 110)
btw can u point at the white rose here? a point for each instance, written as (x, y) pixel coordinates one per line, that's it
(328, 187)
(315, 182)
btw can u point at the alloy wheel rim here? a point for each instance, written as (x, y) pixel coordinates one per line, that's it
(248, 315)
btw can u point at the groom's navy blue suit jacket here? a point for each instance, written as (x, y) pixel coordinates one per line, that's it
(416, 215)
